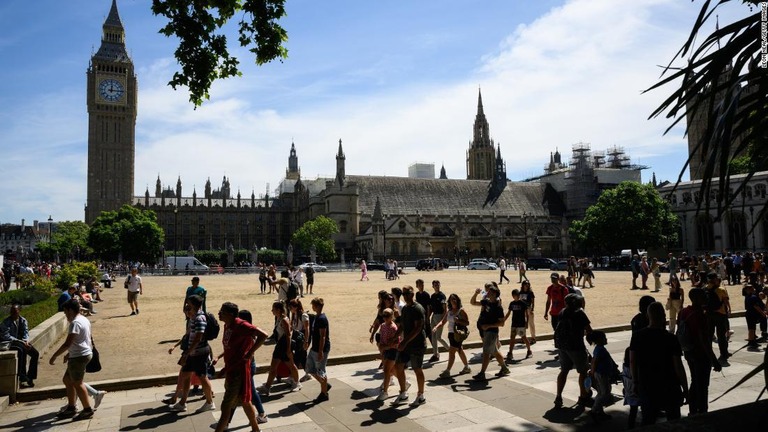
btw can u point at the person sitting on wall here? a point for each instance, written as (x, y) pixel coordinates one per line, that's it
(14, 331)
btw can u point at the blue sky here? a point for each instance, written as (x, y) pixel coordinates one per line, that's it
(396, 80)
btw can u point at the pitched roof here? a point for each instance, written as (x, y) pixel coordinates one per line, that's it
(405, 195)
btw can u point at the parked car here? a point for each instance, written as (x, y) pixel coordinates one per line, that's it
(540, 263)
(431, 264)
(560, 265)
(374, 265)
(316, 267)
(481, 264)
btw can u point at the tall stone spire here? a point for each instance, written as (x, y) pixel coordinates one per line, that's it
(480, 156)
(293, 172)
(341, 176)
(443, 176)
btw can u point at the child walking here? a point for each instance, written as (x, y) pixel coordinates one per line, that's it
(600, 373)
(518, 310)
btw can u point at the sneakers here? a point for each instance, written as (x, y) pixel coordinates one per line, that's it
(400, 399)
(208, 407)
(167, 401)
(196, 391)
(305, 378)
(479, 377)
(466, 370)
(178, 407)
(529, 354)
(295, 386)
(263, 390)
(97, 399)
(261, 419)
(133, 313)
(420, 400)
(509, 358)
(585, 401)
(532, 341)
(85, 414)
(68, 411)
(434, 358)
(137, 311)
(445, 374)
(503, 372)
(558, 402)
(322, 397)
(382, 396)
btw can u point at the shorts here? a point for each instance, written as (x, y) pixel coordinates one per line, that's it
(518, 331)
(133, 296)
(390, 354)
(452, 341)
(574, 358)
(76, 367)
(280, 353)
(413, 356)
(233, 389)
(197, 364)
(315, 366)
(752, 321)
(310, 280)
(489, 343)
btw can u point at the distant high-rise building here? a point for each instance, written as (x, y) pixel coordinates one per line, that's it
(421, 170)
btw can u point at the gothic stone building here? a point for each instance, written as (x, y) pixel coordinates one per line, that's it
(400, 217)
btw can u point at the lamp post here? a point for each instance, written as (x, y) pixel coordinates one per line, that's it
(525, 234)
(752, 219)
(175, 235)
(50, 229)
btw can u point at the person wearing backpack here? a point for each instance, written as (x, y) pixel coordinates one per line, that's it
(718, 310)
(569, 340)
(696, 343)
(195, 359)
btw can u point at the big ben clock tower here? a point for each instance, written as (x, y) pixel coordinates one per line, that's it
(111, 98)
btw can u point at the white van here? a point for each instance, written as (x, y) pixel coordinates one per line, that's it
(186, 265)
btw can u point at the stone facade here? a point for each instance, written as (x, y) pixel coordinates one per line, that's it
(702, 231)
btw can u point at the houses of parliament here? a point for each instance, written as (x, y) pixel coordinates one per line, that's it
(377, 216)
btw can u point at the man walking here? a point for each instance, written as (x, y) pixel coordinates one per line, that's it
(240, 340)
(697, 349)
(572, 326)
(490, 319)
(135, 289)
(718, 309)
(79, 352)
(317, 357)
(502, 270)
(411, 349)
(198, 290)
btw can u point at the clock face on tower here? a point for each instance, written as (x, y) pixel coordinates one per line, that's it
(111, 90)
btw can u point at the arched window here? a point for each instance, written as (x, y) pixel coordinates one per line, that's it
(705, 233)
(342, 226)
(401, 226)
(737, 230)
(394, 248)
(760, 190)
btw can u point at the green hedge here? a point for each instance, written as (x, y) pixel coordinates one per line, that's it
(38, 312)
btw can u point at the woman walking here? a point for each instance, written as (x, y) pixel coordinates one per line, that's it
(363, 271)
(674, 302)
(457, 319)
(299, 334)
(282, 353)
(527, 296)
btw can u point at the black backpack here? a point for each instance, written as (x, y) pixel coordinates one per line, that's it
(212, 327)
(293, 290)
(564, 333)
(713, 300)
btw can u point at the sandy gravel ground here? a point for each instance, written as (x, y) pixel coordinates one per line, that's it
(133, 346)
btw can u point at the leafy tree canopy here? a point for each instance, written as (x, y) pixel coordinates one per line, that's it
(203, 52)
(735, 102)
(66, 238)
(631, 215)
(317, 232)
(130, 231)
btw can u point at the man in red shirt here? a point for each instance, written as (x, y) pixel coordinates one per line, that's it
(697, 350)
(240, 340)
(555, 300)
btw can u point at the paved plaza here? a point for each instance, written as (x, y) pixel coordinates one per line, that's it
(521, 401)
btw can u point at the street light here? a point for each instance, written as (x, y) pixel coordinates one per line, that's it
(175, 235)
(50, 229)
(752, 219)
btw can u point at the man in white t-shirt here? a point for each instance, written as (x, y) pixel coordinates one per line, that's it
(502, 270)
(135, 288)
(79, 348)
